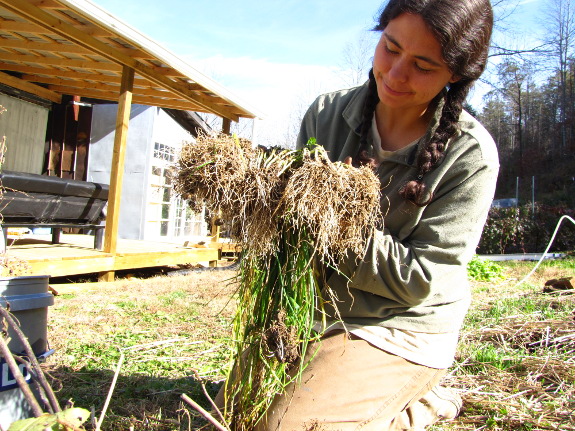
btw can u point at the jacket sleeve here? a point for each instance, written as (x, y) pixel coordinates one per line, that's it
(308, 126)
(421, 266)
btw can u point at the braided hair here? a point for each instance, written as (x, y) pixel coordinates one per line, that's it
(463, 30)
(371, 100)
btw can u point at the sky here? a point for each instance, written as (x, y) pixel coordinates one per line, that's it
(276, 56)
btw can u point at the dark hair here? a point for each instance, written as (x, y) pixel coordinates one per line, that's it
(463, 30)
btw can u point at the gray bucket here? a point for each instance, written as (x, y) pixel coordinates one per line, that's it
(28, 298)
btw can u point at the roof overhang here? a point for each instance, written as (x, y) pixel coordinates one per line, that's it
(51, 48)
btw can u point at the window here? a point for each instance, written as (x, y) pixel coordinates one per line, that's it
(170, 215)
(164, 152)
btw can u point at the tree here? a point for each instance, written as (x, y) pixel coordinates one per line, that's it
(560, 41)
(357, 59)
(515, 83)
(496, 118)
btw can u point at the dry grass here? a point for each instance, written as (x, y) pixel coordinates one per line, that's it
(264, 192)
(514, 368)
(173, 330)
(515, 365)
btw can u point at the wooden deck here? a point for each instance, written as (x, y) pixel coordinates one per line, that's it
(76, 255)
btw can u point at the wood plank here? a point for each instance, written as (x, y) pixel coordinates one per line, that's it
(107, 92)
(59, 14)
(69, 48)
(64, 267)
(21, 27)
(228, 247)
(139, 260)
(54, 71)
(55, 137)
(143, 100)
(46, 4)
(32, 73)
(58, 84)
(62, 62)
(30, 88)
(109, 264)
(75, 255)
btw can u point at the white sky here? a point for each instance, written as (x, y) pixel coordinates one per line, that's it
(274, 55)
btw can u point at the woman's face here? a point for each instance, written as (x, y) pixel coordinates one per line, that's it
(408, 64)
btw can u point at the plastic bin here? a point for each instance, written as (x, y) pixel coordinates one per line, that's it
(28, 298)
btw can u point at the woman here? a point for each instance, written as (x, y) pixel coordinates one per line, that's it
(403, 304)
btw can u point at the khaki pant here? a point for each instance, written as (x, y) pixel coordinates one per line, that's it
(351, 385)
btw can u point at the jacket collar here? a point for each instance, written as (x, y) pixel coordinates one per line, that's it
(353, 112)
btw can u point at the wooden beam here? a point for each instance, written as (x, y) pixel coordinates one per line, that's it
(21, 27)
(46, 4)
(32, 72)
(69, 48)
(36, 29)
(62, 62)
(81, 75)
(65, 267)
(140, 260)
(54, 71)
(141, 100)
(103, 263)
(182, 105)
(68, 86)
(30, 88)
(226, 126)
(44, 46)
(117, 171)
(69, 82)
(70, 32)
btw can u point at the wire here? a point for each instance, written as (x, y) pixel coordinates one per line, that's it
(548, 247)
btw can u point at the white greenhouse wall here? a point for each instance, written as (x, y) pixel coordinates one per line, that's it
(149, 209)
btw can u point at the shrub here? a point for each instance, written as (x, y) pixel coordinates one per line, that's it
(519, 230)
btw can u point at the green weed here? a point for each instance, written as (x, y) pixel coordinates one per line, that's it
(487, 356)
(173, 297)
(129, 305)
(529, 307)
(484, 270)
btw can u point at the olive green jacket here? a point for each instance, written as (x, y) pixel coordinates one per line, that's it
(414, 275)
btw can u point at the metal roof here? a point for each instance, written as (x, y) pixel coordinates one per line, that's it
(52, 48)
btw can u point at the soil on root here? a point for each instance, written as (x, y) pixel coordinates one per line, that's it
(282, 340)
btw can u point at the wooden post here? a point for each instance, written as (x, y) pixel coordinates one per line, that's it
(215, 231)
(226, 126)
(215, 223)
(117, 172)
